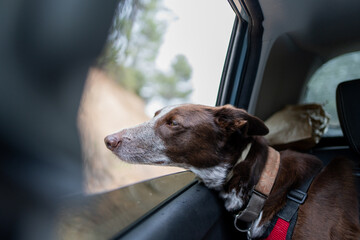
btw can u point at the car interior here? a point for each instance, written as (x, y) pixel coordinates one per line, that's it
(275, 48)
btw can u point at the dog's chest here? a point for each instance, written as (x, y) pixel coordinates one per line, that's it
(233, 200)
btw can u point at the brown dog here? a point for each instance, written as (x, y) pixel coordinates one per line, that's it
(225, 148)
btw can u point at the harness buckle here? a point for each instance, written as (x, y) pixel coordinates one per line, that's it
(297, 196)
(246, 230)
(241, 229)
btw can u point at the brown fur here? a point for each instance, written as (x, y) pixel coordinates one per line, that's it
(204, 137)
(223, 131)
(331, 209)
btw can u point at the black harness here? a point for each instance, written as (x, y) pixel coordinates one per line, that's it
(289, 212)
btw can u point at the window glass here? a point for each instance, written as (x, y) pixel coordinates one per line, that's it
(322, 85)
(106, 215)
(159, 52)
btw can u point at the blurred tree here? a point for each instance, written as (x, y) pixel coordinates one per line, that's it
(181, 68)
(132, 47)
(133, 42)
(174, 84)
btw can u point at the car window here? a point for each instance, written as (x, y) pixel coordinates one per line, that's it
(103, 216)
(159, 52)
(321, 87)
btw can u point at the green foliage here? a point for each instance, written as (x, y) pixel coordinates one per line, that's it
(133, 42)
(175, 83)
(132, 78)
(132, 48)
(181, 68)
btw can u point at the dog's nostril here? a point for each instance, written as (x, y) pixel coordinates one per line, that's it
(111, 142)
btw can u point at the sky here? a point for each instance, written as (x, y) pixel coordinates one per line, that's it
(200, 30)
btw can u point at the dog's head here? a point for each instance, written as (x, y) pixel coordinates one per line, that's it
(187, 136)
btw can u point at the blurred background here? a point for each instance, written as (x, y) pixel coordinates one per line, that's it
(158, 53)
(136, 57)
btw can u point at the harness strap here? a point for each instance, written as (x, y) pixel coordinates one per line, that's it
(279, 231)
(295, 197)
(284, 222)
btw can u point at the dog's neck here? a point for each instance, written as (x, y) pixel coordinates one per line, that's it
(216, 177)
(249, 172)
(242, 157)
(236, 180)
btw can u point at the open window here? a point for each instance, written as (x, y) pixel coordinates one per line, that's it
(158, 53)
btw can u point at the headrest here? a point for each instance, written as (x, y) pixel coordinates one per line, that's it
(347, 103)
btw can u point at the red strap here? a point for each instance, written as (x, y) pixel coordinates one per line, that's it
(279, 231)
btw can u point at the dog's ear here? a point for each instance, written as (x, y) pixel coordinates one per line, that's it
(234, 119)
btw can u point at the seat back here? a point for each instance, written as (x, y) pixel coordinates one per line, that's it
(347, 103)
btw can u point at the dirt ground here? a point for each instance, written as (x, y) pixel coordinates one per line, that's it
(107, 108)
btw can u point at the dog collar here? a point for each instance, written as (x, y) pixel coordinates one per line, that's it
(261, 190)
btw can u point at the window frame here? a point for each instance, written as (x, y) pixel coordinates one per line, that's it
(243, 56)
